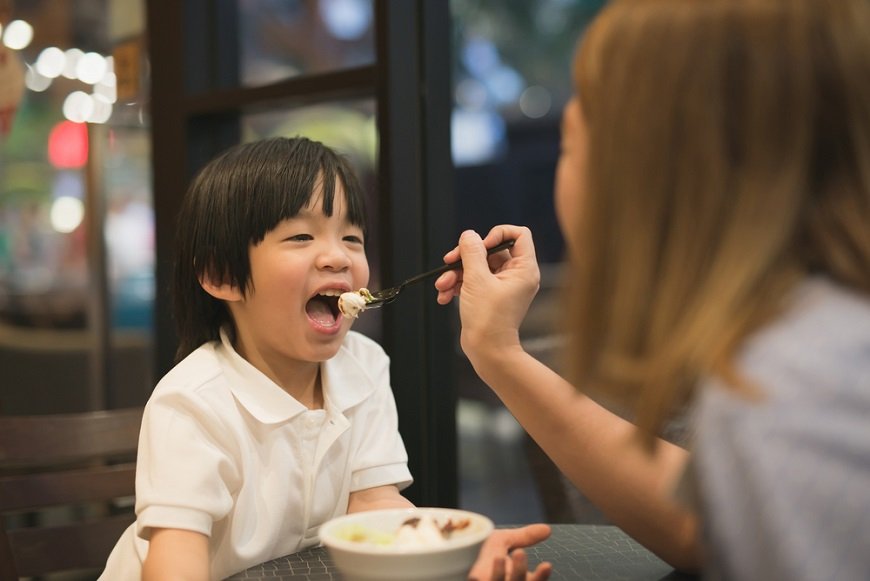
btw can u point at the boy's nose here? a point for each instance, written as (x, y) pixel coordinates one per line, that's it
(333, 257)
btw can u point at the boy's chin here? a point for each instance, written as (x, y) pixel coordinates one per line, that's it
(327, 347)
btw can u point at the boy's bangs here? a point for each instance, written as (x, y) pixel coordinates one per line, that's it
(329, 181)
(281, 194)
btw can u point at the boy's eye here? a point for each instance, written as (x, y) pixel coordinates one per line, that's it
(354, 239)
(300, 237)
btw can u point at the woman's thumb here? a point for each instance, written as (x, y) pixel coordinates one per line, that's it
(472, 252)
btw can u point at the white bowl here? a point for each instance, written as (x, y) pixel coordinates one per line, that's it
(363, 561)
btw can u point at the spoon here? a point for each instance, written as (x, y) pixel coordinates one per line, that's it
(388, 295)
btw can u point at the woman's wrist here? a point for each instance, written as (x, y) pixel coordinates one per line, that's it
(491, 355)
(486, 343)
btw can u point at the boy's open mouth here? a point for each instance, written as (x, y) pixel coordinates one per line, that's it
(322, 308)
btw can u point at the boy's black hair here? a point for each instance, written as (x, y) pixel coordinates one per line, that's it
(232, 203)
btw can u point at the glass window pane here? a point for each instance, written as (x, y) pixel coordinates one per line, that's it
(508, 99)
(128, 230)
(286, 38)
(76, 145)
(349, 128)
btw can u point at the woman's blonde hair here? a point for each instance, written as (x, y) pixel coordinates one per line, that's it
(729, 156)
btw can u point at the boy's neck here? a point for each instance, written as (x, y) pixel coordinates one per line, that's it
(301, 381)
(312, 397)
(304, 386)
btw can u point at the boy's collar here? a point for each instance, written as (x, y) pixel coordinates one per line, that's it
(345, 384)
(346, 380)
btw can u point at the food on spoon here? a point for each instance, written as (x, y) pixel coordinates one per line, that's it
(351, 304)
(416, 532)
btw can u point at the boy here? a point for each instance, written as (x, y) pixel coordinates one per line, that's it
(277, 417)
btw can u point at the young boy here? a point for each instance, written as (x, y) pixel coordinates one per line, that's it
(277, 417)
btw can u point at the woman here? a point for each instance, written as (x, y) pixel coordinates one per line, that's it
(714, 193)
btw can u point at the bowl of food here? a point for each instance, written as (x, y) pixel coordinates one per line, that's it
(406, 543)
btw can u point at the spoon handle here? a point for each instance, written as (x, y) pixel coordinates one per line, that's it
(458, 264)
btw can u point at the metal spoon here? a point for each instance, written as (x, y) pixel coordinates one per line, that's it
(388, 295)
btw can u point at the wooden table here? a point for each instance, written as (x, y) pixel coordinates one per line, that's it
(577, 552)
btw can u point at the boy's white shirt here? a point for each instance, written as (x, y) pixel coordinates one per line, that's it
(226, 452)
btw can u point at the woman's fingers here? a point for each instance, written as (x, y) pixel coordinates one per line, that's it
(446, 281)
(499, 568)
(444, 297)
(542, 573)
(519, 565)
(521, 235)
(469, 250)
(529, 535)
(496, 559)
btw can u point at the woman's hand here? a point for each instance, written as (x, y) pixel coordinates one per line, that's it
(494, 291)
(503, 559)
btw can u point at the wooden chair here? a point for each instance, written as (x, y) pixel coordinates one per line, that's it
(82, 461)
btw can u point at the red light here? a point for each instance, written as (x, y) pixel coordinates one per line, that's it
(68, 145)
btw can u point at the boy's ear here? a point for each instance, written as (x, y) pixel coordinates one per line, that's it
(223, 291)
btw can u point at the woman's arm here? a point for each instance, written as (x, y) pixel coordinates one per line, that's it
(176, 555)
(598, 452)
(593, 447)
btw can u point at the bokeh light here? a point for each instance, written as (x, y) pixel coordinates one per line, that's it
(66, 214)
(18, 35)
(50, 62)
(68, 145)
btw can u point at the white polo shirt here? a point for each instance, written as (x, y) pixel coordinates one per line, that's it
(226, 452)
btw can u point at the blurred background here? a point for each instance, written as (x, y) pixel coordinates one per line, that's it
(450, 112)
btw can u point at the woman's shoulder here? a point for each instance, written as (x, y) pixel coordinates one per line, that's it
(818, 349)
(824, 305)
(812, 367)
(825, 325)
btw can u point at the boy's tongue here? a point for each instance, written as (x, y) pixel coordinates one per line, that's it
(318, 310)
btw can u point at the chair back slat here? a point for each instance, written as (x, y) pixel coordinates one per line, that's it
(68, 437)
(7, 563)
(69, 464)
(34, 491)
(87, 545)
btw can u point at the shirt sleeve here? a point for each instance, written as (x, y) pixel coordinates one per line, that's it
(785, 490)
(379, 457)
(784, 477)
(185, 475)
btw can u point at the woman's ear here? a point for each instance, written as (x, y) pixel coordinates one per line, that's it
(223, 291)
